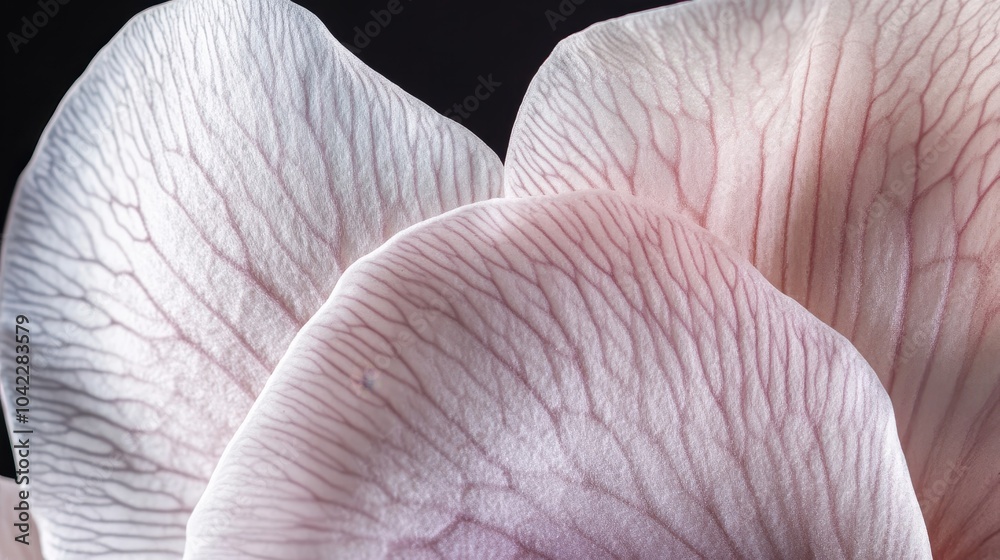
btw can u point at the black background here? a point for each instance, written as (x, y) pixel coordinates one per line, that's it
(434, 49)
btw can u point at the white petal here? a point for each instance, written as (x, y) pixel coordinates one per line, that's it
(191, 204)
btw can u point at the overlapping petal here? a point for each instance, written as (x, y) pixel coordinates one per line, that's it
(563, 377)
(190, 206)
(566, 377)
(850, 150)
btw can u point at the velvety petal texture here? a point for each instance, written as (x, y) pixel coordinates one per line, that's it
(191, 204)
(562, 377)
(850, 150)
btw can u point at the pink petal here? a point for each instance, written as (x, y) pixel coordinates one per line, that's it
(562, 377)
(850, 151)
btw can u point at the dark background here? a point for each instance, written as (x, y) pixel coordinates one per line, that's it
(434, 49)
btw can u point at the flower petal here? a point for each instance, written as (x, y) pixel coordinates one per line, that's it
(562, 377)
(191, 204)
(849, 150)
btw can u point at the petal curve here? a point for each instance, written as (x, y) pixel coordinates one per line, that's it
(850, 151)
(191, 204)
(562, 377)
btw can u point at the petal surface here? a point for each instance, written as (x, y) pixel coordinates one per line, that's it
(191, 204)
(562, 377)
(850, 151)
